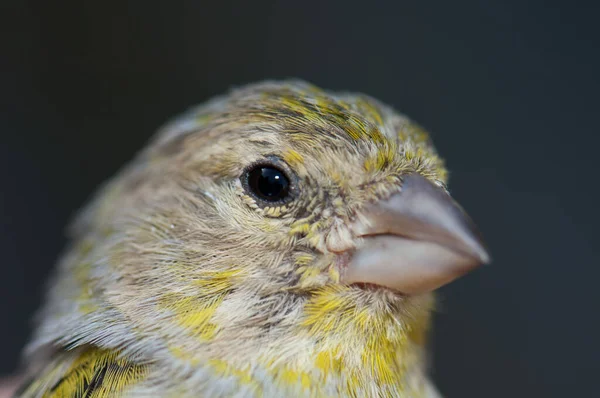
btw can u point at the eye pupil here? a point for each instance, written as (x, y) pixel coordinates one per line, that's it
(268, 183)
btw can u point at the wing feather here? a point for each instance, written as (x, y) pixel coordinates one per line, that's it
(85, 373)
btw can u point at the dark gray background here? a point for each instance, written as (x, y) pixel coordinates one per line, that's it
(508, 88)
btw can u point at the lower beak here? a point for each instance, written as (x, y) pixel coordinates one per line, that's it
(415, 241)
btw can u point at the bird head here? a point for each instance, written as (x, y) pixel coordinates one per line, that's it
(281, 224)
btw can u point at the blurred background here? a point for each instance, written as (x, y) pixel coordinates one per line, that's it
(508, 88)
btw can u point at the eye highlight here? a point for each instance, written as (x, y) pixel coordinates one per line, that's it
(267, 183)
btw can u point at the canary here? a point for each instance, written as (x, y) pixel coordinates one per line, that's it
(278, 241)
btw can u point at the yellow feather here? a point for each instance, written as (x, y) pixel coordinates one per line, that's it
(90, 372)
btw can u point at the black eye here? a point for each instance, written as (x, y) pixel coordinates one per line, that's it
(268, 183)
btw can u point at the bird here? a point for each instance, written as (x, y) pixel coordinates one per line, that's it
(277, 240)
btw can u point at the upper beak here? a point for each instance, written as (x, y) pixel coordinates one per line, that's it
(415, 241)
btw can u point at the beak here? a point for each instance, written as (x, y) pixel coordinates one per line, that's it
(415, 241)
